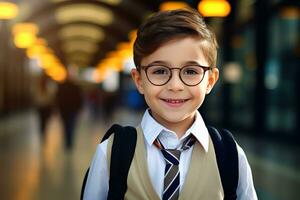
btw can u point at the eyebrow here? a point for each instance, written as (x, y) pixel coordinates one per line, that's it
(192, 63)
(158, 62)
(169, 64)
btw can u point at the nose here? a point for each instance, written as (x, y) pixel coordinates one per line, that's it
(175, 82)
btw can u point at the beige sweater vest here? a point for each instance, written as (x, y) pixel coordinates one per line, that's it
(202, 182)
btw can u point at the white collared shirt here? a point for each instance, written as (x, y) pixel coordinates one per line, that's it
(97, 182)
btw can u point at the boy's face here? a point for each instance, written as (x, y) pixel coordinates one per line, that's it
(175, 103)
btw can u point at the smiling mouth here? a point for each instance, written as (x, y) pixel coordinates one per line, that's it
(175, 101)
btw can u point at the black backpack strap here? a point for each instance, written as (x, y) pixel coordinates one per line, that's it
(227, 159)
(122, 153)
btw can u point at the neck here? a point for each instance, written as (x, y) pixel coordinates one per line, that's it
(179, 127)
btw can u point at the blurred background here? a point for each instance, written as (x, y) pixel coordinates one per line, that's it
(65, 78)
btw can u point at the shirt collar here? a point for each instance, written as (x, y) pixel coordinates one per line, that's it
(152, 129)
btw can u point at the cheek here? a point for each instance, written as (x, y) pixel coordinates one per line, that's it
(151, 92)
(199, 94)
(142, 86)
(141, 89)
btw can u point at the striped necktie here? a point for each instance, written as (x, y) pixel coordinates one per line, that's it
(172, 176)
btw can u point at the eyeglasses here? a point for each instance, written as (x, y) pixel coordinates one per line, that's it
(190, 75)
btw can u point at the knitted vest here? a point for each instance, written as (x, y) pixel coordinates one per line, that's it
(202, 180)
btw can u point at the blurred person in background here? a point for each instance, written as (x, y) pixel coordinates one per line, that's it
(69, 103)
(44, 100)
(94, 100)
(108, 106)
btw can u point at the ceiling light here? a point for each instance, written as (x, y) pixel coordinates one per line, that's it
(85, 57)
(85, 13)
(110, 2)
(214, 8)
(24, 40)
(8, 10)
(78, 59)
(25, 27)
(24, 34)
(172, 5)
(79, 45)
(78, 31)
(290, 12)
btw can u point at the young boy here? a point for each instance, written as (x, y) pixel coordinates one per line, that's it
(175, 57)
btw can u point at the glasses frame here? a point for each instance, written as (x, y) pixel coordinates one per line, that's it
(146, 67)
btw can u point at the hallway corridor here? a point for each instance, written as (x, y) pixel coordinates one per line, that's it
(30, 170)
(66, 55)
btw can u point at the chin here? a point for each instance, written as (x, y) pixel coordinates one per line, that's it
(175, 119)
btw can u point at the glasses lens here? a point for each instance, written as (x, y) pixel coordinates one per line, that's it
(192, 75)
(158, 74)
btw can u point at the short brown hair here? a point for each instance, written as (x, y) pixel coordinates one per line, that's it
(167, 25)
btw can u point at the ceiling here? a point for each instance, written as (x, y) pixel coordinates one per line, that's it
(81, 32)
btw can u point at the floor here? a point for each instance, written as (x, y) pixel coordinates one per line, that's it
(33, 170)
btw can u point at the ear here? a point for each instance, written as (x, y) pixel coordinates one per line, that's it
(137, 78)
(212, 79)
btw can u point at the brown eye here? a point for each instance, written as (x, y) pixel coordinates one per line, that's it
(192, 70)
(158, 70)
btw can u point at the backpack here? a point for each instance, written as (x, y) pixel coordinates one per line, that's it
(123, 149)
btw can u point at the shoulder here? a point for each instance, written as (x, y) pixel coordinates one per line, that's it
(103, 147)
(245, 189)
(243, 161)
(240, 151)
(96, 186)
(101, 152)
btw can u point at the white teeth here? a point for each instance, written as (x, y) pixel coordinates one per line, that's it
(174, 101)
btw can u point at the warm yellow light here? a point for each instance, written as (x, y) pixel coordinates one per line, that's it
(25, 34)
(123, 45)
(8, 10)
(82, 31)
(52, 64)
(24, 40)
(60, 77)
(41, 41)
(38, 48)
(121, 54)
(84, 12)
(126, 53)
(114, 59)
(173, 5)
(79, 57)
(48, 60)
(57, 73)
(112, 54)
(110, 2)
(290, 12)
(78, 54)
(100, 74)
(114, 63)
(25, 27)
(214, 8)
(132, 35)
(70, 46)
